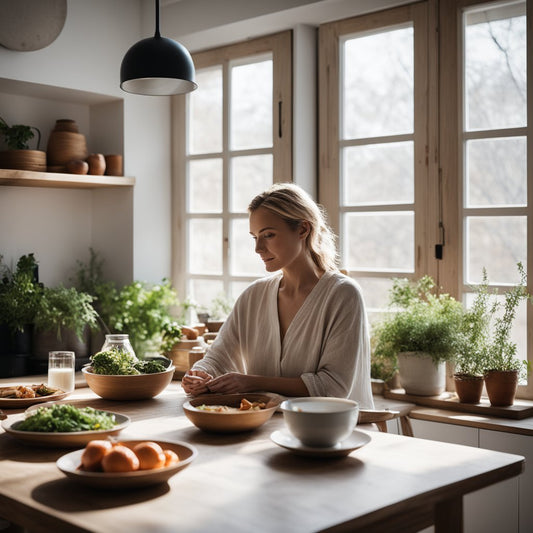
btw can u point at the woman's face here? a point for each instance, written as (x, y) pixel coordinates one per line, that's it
(275, 241)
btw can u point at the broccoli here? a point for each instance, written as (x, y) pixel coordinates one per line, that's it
(114, 362)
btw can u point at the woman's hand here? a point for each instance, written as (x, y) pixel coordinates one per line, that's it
(194, 382)
(230, 383)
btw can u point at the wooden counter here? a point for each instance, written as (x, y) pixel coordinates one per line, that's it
(244, 482)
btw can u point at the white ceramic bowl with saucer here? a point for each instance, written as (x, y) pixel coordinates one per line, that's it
(320, 422)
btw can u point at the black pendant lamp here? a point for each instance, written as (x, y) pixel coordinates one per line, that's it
(157, 66)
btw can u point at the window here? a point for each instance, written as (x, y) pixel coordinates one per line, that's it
(425, 164)
(376, 127)
(233, 140)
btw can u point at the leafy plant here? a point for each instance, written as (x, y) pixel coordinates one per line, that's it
(474, 333)
(65, 307)
(142, 310)
(418, 321)
(20, 293)
(219, 308)
(18, 135)
(500, 350)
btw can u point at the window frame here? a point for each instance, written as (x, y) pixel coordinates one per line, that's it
(280, 46)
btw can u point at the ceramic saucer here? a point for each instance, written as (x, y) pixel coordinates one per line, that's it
(356, 440)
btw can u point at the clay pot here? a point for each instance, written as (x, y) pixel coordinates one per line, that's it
(65, 146)
(501, 387)
(34, 160)
(96, 164)
(66, 124)
(77, 166)
(468, 388)
(113, 165)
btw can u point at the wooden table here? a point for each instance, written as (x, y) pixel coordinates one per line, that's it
(246, 483)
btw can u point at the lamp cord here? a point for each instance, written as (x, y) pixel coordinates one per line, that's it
(157, 34)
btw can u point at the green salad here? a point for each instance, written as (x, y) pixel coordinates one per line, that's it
(119, 363)
(64, 418)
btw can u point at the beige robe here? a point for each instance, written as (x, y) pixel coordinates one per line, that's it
(327, 343)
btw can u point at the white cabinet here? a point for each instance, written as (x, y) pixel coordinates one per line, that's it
(504, 507)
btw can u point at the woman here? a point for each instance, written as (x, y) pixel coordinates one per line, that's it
(300, 332)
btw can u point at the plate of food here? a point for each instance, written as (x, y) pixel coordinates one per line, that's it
(64, 425)
(231, 413)
(19, 396)
(126, 464)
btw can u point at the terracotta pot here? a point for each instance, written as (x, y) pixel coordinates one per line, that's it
(77, 166)
(501, 387)
(419, 375)
(34, 160)
(96, 164)
(113, 165)
(468, 388)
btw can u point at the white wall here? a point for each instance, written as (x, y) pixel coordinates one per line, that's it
(87, 56)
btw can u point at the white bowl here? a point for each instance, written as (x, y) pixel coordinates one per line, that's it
(320, 422)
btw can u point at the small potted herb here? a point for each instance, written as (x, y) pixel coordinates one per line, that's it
(502, 368)
(18, 154)
(63, 320)
(473, 337)
(420, 329)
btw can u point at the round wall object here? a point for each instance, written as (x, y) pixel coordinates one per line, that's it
(27, 25)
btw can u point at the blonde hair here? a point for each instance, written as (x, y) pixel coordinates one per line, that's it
(294, 206)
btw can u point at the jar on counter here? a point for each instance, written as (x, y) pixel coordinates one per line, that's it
(195, 354)
(120, 342)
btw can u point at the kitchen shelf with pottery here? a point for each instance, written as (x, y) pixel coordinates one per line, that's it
(69, 164)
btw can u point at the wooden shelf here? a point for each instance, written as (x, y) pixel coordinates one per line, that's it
(26, 178)
(449, 400)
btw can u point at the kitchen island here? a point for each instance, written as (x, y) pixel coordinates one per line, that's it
(245, 482)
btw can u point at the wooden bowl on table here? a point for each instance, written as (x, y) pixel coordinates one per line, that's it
(136, 387)
(231, 421)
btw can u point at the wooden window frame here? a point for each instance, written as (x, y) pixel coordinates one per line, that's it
(280, 46)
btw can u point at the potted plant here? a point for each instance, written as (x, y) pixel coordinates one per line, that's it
(420, 329)
(18, 155)
(63, 320)
(145, 311)
(502, 369)
(19, 296)
(473, 338)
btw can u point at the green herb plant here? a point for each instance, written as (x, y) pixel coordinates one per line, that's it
(500, 350)
(17, 136)
(20, 293)
(65, 307)
(418, 321)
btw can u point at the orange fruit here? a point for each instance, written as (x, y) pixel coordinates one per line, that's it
(150, 455)
(94, 452)
(120, 459)
(170, 457)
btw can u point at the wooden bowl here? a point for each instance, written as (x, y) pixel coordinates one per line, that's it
(137, 387)
(230, 422)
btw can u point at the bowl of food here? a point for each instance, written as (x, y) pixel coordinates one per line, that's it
(320, 421)
(230, 413)
(115, 375)
(127, 463)
(64, 425)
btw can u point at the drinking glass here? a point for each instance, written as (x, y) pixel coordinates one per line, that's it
(61, 370)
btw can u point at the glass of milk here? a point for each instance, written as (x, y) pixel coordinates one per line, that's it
(61, 370)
